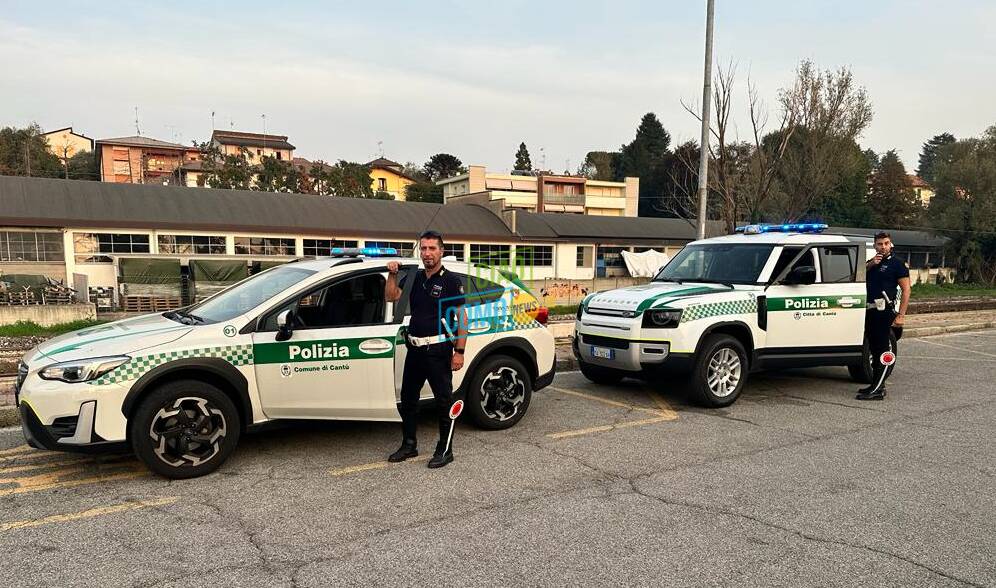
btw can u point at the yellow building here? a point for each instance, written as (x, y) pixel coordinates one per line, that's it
(389, 176)
(924, 191)
(543, 192)
(64, 143)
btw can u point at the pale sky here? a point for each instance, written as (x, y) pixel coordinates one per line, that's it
(476, 78)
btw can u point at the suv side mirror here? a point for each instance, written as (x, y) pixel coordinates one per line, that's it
(802, 275)
(285, 325)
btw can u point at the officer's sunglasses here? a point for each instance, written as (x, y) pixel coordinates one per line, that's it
(430, 235)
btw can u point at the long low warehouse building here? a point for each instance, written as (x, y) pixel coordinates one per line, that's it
(79, 232)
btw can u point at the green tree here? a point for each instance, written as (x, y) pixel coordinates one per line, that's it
(24, 152)
(350, 180)
(83, 166)
(522, 161)
(644, 158)
(890, 195)
(599, 165)
(271, 175)
(441, 166)
(964, 206)
(928, 155)
(424, 191)
(220, 170)
(847, 203)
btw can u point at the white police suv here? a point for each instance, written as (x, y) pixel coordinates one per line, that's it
(306, 340)
(772, 296)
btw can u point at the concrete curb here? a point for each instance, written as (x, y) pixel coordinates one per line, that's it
(566, 362)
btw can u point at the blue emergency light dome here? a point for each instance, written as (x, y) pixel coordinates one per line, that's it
(786, 228)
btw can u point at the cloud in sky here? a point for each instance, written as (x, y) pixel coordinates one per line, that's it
(474, 78)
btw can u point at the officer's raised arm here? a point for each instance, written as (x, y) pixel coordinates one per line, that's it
(392, 293)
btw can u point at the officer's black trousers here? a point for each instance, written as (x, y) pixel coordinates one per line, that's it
(430, 363)
(878, 325)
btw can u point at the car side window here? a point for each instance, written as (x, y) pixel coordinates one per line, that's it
(351, 302)
(839, 264)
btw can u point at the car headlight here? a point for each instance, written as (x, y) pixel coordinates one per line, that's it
(83, 370)
(662, 319)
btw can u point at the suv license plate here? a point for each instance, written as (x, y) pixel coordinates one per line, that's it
(603, 352)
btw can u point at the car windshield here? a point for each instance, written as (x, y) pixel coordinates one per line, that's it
(721, 263)
(245, 296)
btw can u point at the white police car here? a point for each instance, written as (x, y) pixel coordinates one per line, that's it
(307, 340)
(772, 296)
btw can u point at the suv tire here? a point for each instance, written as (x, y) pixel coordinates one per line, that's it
(720, 371)
(184, 429)
(862, 373)
(499, 393)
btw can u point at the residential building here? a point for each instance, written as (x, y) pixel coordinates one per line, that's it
(924, 191)
(64, 143)
(257, 145)
(143, 160)
(544, 192)
(389, 176)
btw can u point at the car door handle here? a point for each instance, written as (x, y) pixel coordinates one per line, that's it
(376, 346)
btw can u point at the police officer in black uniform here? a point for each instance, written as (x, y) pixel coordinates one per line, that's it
(886, 274)
(434, 353)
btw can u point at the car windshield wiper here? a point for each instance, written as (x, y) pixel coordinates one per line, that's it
(678, 281)
(184, 317)
(726, 283)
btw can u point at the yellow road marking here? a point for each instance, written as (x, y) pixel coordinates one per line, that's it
(38, 466)
(17, 450)
(50, 481)
(665, 408)
(93, 512)
(947, 358)
(604, 428)
(374, 466)
(604, 400)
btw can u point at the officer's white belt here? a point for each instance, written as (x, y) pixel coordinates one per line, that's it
(426, 341)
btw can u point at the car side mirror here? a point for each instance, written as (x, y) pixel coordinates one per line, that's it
(801, 275)
(285, 325)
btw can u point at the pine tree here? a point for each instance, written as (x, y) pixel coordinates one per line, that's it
(644, 158)
(522, 161)
(891, 196)
(929, 154)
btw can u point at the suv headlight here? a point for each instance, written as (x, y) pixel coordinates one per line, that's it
(661, 319)
(83, 370)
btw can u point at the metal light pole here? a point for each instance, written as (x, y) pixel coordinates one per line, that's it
(704, 143)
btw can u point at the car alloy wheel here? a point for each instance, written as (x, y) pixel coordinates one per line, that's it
(188, 432)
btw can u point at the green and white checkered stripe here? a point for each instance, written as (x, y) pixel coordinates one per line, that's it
(234, 354)
(701, 311)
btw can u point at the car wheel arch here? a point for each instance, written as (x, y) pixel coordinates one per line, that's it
(739, 330)
(211, 370)
(515, 347)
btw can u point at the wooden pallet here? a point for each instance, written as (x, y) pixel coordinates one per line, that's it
(150, 303)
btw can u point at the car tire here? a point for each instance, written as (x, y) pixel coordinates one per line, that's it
(184, 429)
(599, 374)
(862, 373)
(720, 372)
(499, 393)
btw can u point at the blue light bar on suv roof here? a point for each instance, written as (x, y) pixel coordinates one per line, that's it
(364, 251)
(789, 228)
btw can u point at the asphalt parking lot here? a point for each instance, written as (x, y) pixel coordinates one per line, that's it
(796, 484)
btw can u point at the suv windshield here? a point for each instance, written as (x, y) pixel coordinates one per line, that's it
(722, 263)
(247, 295)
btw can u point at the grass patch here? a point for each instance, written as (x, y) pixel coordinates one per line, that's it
(563, 309)
(32, 329)
(948, 290)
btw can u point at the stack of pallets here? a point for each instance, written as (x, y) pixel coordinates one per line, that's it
(150, 303)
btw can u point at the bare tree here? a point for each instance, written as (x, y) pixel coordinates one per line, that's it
(742, 173)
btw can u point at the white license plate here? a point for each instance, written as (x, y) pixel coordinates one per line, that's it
(603, 352)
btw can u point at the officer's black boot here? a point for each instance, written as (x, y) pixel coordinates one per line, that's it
(444, 453)
(408, 450)
(876, 391)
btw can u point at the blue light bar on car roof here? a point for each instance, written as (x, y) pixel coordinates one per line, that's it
(788, 228)
(364, 251)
